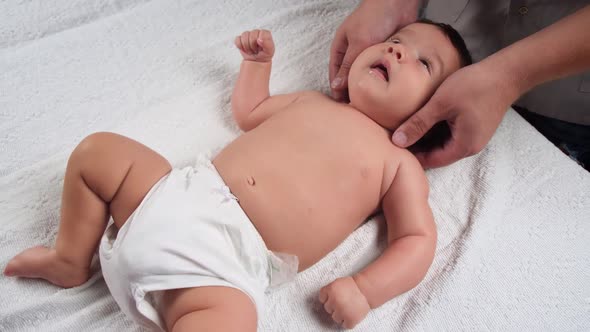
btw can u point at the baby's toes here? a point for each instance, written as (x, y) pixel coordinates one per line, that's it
(25, 264)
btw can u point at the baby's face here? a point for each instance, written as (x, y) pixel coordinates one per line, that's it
(390, 81)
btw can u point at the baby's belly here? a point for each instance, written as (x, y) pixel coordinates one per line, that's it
(308, 176)
(299, 206)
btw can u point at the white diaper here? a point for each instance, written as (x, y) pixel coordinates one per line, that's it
(188, 231)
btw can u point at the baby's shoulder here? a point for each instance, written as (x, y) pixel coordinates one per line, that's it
(312, 95)
(401, 162)
(397, 156)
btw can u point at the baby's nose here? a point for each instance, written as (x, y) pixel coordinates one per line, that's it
(397, 52)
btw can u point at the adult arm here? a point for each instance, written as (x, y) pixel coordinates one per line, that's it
(474, 99)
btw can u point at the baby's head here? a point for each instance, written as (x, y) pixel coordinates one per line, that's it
(390, 81)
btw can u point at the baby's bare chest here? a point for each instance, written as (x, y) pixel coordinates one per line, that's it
(311, 154)
(328, 126)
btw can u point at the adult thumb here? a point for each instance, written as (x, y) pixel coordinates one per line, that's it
(416, 126)
(340, 81)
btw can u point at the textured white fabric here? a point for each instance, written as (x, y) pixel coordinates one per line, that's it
(513, 250)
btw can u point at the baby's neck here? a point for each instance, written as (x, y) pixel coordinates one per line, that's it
(390, 129)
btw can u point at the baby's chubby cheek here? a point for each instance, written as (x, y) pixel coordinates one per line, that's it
(362, 88)
(367, 80)
(366, 89)
(357, 92)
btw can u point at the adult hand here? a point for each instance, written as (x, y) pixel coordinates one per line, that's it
(472, 101)
(371, 23)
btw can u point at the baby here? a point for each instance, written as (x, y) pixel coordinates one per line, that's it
(195, 248)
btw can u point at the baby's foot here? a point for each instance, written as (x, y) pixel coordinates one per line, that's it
(41, 262)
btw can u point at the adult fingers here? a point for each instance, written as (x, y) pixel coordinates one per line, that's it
(418, 124)
(340, 82)
(452, 151)
(337, 52)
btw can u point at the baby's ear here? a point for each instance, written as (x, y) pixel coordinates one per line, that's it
(436, 137)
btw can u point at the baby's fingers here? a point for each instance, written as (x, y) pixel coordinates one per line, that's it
(323, 295)
(238, 43)
(256, 45)
(325, 300)
(252, 41)
(337, 317)
(264, 40)
(245, 41)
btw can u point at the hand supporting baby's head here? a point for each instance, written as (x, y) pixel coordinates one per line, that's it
(390, 81)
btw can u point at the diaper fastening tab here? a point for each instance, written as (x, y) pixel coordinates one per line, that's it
(225, 193)
(282, 268)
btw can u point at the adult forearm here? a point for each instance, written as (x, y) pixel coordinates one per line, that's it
(558, 50)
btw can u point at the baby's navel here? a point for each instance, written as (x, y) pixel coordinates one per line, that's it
(251, 181)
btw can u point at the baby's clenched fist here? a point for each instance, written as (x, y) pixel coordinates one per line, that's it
(256, 45)
(344, 301)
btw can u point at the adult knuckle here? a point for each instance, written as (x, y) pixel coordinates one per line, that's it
(471, 149)
(418, 125)
(440, 101)
(346, 64)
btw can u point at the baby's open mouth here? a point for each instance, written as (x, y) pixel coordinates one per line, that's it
(379, 69)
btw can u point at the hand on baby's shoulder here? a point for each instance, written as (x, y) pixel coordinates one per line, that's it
(256, 45)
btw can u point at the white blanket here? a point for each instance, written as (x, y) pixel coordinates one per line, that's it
(514, 221)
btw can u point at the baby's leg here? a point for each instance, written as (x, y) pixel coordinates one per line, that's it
(107, 174)
(211, 308)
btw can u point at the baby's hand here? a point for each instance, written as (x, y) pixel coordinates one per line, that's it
(256, 45)
(345, 302)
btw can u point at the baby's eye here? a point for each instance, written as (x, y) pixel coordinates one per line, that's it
(425, 64)
(395, 41)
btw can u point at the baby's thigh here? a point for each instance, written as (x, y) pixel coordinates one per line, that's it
(121, 171)
(209, 308)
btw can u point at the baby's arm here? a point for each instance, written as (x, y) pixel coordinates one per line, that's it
(411, 236)
(251, 100)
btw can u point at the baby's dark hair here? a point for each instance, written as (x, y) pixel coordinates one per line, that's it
(455, 39)
(440, 133)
